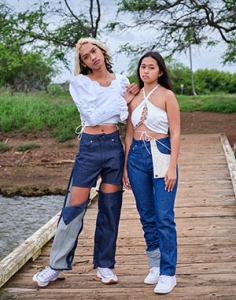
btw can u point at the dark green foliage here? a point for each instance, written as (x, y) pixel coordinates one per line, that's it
(3, 147)
(31, 48)
(25, 147)
(206, 81)
(214, 81)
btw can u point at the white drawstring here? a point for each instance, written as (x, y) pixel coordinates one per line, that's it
(145, 137)
(79, 130)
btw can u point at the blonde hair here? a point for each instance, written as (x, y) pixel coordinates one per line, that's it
(79, 67)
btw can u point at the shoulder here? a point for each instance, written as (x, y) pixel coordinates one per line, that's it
(171, 100)
(81, 85)
(167, 94)
(80, 80)
(122, 78)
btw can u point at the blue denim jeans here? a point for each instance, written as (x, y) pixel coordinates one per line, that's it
(155, 204)
(99, 154)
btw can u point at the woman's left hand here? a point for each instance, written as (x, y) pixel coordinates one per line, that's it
(125, 180)
(170, 179)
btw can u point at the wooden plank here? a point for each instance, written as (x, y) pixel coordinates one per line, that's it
(230, 156)
(17, 258)
(206, 227)
(141, 292)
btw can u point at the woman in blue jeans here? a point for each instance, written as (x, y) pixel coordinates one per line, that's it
(151, 152)
(101, 97)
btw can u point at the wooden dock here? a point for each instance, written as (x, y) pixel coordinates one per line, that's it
(206, 227)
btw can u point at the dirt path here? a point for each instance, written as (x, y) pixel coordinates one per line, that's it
(46, 170)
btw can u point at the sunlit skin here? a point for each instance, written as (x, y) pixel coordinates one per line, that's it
(93, 57)
(149, 72)
(164, 99)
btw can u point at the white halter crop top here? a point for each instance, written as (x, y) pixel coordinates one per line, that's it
(154, 118)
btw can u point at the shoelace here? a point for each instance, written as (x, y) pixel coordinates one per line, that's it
(48, 273)
(107, 272)
(163, 279)
(154, 270)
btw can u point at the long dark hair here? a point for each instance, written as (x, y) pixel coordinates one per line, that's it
(164, 79)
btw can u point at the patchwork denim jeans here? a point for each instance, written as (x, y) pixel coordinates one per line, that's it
(103, 155)
(155, 204)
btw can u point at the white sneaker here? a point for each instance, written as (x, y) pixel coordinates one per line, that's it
(153, 276)
(106, 275)
(43, 278)
(165, 284)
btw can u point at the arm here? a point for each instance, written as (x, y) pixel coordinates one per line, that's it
(84, 99)
(173, 113)
(128, 142)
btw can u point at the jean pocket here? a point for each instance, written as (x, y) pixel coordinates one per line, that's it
(116, 142)
(86, 146)
(164, 149)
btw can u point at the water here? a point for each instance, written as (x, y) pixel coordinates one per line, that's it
(20, 217)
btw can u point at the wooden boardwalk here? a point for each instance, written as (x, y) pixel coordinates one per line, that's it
(206, 226)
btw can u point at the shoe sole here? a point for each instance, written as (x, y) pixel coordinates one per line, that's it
(151, 283)
(164, 291)
(111, 281)
(37, 283)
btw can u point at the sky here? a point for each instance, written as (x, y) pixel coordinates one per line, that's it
(201, 58)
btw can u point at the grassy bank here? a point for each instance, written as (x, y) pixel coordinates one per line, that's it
(35, 112)
(218, 103)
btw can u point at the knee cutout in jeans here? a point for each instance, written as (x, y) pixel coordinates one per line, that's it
(108, 188)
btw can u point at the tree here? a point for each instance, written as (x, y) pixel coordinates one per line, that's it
(32, 43)
(55, 28)
(209, 21)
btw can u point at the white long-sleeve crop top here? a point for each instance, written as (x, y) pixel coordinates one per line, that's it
(97, 104)
(153, 117)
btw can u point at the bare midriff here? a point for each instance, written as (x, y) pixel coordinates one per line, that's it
(107, 128)
(143, 133)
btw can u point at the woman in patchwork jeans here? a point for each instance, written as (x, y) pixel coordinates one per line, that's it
(101, 98)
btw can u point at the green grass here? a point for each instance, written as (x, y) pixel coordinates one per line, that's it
(25, 147)
(35, 112)
(218, 103)
(3, 147)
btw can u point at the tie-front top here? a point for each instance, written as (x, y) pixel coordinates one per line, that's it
(153, 117)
